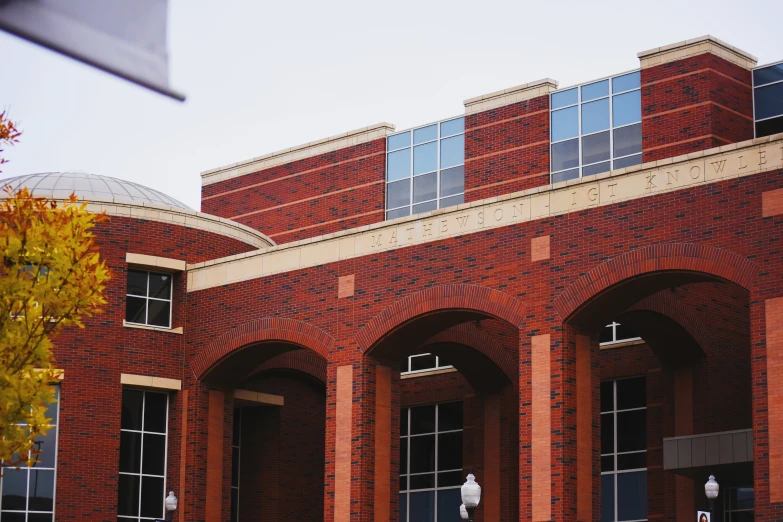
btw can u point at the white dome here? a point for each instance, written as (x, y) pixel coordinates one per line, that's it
(60, 185)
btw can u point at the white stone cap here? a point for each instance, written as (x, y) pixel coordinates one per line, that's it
(298, 152)
(694, 41)
(508, 96)
(510, 90)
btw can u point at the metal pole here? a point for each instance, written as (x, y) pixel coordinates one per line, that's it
(471, 511)
(712, 507)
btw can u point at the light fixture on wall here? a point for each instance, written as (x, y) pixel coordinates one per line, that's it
(171, 506)
(711, 489)
(471, 496)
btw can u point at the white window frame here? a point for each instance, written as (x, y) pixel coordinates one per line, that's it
(437, 471)
(148, 298)
(141, 457)
(615, 453)
(613, 325)
(753, 92)
(438, 365)
(580, 135)
(413, 176)
(27, 511)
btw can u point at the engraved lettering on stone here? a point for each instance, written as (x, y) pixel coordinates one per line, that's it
(675, 177)
(462, 220)
(444, 225)
(762, 157)
(650, 184)
(481, 217)
(393, 240)
(718, 166)
(376, 241)
(697, 171)
(592, 194)
(427, 229)
(496, 214)
(574, 195)
(410, 233)
(741, 163)
(517, 208)
(612, 186)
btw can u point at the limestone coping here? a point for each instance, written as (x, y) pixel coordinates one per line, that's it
(147, 381)
(298, 152)
(694, 46)
(504, 97)
(166, 263)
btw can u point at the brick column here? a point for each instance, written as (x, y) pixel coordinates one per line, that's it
(683, 425)
(492, 485)
(541, 437)
(383, 437)
(215, 461)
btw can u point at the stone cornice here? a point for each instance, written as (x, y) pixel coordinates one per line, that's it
(509, 96)
(731, 161)
(694, 46)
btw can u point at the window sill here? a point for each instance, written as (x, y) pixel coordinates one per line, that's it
(427, 373)
(621, 344)
(178, 330)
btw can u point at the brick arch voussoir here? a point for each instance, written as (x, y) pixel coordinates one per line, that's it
(301, 360)
(469, 335)
(292, 331)
(689, 257)
(441, 298)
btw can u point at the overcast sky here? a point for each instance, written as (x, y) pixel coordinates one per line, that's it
(263, 76)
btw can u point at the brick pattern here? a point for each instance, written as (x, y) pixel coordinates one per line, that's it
(772, 203)
(584, 429)
(215, 456)
(683, 425)
(492, 435)
(774, 325)
(539, 248)
(383, 435)
(541, 443)
(343, 432)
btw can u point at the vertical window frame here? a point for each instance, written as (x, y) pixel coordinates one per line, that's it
(753, 95)
(147, 298)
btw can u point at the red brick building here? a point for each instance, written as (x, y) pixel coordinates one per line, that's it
(575, 292)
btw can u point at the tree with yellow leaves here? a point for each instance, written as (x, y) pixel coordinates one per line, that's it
(51, 278)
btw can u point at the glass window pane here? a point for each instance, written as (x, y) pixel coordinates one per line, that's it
(14, 488)
(422, 481)
(425, 207)
(769, 101)
(773, 73)
(607, 498)
(626, 82)
(425, 134)
(53, 407)
(398, 165)
(450, 478)
(403, 483)
(33, 517)
(403, 508)
(234, 466)
(154, 454)
(595, 90)
(607, 395)
(423, 362)
(769, 127)
(41, 490)
(632, 495)
(741, 498)
(627, 108)
(562, 99)
(452, 151)
(451, 127)
(452, 181)
(152, 497)
(398, 141)
(450, 416)
(422, 449)
(565, 176)
(565, 155)
(403, 456)
(628, 161)
(422, 508)
(607, 433)
(425, 158)
(398, 193)
(425, 187)
(48, 449)
(631, 393)
(136, 310)
(632, 430)
(13, 517)
(595, 116)
(632, 460)
(155, 412)
(400, 212)
(628, 140)
(607, 463)
(452, 200)
(159, 313)
(237, 427)
(404, 421)
(596, 168)
(565, 123)
(449, 502)
(450, 450)
(234, 503)
(423, 419)
(130, 452)
(595, 148)
(131, 409)
(128, 497)
(606, 336)
(160, 285)
(137, 282)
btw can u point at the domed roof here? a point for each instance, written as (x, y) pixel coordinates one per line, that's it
(60, 185)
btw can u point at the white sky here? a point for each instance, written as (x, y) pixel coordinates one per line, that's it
(263, 76)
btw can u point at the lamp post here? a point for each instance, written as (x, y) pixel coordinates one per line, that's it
(471, 496)
(711, 489)
(463, 513)
(171, 506)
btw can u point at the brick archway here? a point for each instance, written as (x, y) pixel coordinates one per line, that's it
(707, 262)
(304, 361)
(269, 329)
(471, 299)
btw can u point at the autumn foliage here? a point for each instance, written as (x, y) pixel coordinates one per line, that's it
(51, 278)
(9, 133)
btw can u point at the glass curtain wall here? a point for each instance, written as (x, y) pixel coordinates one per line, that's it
(768, 99)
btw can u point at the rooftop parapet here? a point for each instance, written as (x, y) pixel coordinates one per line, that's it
(694, 46)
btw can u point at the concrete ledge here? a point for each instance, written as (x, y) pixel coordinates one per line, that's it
(509, 96)
(621, 344)
(700, 45)
(298, 152)
(176, 265)
(177, 330)
(145, 381)
(428, 373)
(253, 398)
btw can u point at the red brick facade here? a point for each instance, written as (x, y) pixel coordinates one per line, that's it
(517, 310)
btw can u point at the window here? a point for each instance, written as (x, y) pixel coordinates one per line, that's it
(624, 450)
(235, 463)
(425, 168)
(596, 127)
(142, 481)
(148, 298)
(431, 463)
(738, 505)
(768, 99)
(617, 333)
(28, 492)
(424, 362)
